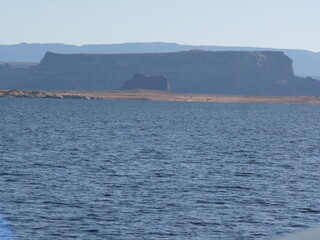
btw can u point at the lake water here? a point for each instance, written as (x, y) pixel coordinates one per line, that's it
(98, 169)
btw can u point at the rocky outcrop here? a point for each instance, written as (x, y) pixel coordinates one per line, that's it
(232, 72)
(140, 81)
(45, 94)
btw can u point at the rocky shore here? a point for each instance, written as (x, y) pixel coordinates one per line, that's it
(153, 95)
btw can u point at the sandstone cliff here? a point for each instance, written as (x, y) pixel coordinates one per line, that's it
(245, 73)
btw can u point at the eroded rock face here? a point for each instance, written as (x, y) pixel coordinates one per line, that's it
(140, 81)
(244, 73)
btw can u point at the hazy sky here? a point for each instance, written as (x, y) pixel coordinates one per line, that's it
(257, 23)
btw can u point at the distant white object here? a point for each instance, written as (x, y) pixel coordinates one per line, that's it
(309, 234)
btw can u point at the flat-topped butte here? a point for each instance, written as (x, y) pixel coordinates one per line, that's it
(267, 73)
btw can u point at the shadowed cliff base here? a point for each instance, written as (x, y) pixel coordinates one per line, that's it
(153, 95)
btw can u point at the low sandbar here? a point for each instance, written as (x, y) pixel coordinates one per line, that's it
(153, 95)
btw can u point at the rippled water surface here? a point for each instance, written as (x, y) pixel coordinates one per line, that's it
(94, 169)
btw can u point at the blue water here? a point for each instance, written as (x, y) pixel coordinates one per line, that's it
(98, 169)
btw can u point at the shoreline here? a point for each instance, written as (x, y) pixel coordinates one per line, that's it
(154, 95)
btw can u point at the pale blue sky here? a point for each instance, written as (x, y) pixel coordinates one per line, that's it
(258, 23)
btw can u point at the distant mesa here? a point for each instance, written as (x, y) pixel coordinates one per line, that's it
(140, 81)
(264, 73)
